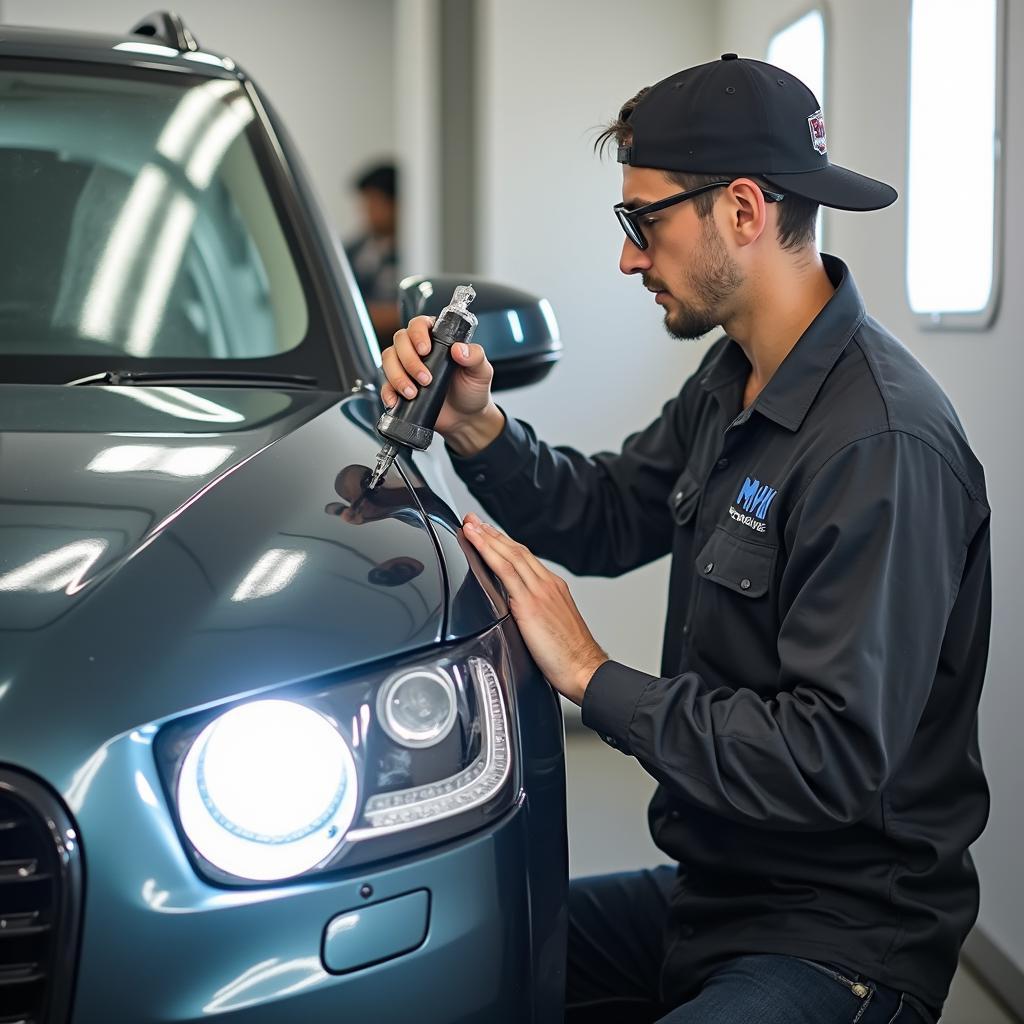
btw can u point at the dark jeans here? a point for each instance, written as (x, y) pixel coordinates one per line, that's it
(615, 953)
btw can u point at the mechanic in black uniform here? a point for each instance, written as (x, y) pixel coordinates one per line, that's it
(814, 726)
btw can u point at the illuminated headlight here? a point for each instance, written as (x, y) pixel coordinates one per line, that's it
(268, 790)
(417, 709)
(346, 770)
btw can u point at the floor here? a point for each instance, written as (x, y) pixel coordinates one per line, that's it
(608, 796)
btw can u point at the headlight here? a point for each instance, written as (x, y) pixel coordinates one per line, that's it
(344, 773)
(267, 790)
(484, 776)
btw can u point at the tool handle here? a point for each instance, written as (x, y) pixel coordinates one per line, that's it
(411, 421)
(423, 410)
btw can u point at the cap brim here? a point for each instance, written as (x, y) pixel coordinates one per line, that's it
(838, 187)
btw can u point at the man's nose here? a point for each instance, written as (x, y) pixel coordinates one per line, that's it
(633, 260)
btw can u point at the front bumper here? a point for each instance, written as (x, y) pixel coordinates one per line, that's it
(256, 956)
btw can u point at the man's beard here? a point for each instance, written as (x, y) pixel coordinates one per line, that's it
(713, 278)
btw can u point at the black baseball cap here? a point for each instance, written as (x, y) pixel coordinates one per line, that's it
(739, 116)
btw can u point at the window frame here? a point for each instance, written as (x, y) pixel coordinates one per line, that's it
(982, 319)
(820, 8)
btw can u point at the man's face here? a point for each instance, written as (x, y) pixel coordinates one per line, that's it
(686, 261)
(378, 212)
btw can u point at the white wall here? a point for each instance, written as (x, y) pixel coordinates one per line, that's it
(550, 73)
(867, 130)
(327, 66)
(417, 133)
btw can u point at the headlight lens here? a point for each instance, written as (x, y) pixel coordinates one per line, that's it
(417, 709)
(268, 790)
(477, 783)
(348, 772)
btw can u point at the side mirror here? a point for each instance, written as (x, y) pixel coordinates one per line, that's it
(518, 330)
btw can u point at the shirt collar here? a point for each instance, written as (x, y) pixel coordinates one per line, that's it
(789, 394)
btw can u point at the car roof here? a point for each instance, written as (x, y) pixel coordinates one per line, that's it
(162, 49)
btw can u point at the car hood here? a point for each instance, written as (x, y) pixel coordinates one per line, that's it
(164, 549)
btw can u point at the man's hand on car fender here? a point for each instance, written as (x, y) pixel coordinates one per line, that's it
(558, 638)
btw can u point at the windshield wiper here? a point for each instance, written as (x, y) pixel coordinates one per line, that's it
(228, 377)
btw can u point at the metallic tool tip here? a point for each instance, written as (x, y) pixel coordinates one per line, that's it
(384, 461)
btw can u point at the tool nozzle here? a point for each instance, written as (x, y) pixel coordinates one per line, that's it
(464, 295)
(385, 458)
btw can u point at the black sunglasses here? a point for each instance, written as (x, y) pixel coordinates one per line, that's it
(630, 219)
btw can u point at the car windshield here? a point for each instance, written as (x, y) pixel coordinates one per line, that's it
(138, 225)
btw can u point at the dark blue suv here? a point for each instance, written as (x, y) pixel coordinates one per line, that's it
(271, 747)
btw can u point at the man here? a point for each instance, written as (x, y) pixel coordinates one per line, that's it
(814, 726)
(374, 254)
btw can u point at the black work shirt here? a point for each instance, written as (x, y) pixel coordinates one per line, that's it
(814, 726)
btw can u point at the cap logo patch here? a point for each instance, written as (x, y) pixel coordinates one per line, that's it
(816, 122)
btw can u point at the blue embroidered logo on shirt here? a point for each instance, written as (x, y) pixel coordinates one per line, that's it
(755, 499)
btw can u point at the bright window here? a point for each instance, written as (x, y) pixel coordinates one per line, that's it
(800, 49)
(952, 186)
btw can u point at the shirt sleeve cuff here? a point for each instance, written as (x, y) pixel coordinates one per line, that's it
(610, 700)
(498, 462)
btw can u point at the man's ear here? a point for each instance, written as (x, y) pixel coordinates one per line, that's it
(748, 212)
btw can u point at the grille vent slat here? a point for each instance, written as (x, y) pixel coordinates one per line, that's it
(40, 899)
(20, 974)
(23, 870)
(27, 923)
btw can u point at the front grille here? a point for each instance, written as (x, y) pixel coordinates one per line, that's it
(40, 903)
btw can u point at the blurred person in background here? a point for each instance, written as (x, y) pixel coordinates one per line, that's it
(374, 253)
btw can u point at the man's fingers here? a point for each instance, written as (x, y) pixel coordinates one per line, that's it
(395, 371)
(527, 566)
(408, 355)
(419, 333)
(526, 563)
(504, 569)
(472, 359)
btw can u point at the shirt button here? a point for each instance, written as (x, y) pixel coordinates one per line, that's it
(678, 497)
(686, 629)
(744, 584)
(480, 478)
(674, 815)
(722, 463)
(708, 567)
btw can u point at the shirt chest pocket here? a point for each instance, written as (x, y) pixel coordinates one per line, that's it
(734, 616)
(684, 498)
(739, 565)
